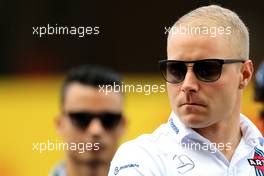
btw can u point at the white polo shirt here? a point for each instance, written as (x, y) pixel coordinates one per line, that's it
(175, 150)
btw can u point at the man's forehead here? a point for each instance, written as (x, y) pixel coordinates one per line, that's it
(192, 46)
(83, 96)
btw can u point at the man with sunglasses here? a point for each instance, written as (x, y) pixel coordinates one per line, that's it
(90, 120)
(206, 134)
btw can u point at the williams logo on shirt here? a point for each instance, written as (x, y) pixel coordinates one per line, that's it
(258, 162)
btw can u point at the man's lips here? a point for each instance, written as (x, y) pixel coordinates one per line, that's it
(192, 104)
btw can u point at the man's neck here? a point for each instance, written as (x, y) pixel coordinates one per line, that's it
(226, 132)
(82, 169)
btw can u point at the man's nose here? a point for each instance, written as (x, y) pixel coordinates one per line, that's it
(95, 128)
(190, 82)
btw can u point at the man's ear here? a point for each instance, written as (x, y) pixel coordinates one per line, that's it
(246, 73)
(59, 124)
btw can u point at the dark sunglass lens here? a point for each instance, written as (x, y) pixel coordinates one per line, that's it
(81, 120)
(175, 72)
(208, 71)
(110, 120)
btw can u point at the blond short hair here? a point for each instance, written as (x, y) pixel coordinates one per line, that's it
(214, 15)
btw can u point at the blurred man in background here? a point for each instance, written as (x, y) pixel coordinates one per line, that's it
(259, 96)
(90, 121)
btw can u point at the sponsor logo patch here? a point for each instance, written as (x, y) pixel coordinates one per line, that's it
(117, 169)
(258, 162)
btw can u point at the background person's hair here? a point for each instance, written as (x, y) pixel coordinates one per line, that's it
(216, 16)
(90, 75)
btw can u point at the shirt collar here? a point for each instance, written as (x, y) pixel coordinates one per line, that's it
(59, 170)
(251, 135)
(183, 133)
(250, 132)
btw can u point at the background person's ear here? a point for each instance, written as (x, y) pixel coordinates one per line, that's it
(59, 124)
(246, 73)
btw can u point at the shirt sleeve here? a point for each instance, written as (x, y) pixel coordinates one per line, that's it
(134, 160)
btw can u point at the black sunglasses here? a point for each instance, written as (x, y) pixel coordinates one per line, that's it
(207, 70)
(82, 119)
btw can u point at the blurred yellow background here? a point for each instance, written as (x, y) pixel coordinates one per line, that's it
(29, 105)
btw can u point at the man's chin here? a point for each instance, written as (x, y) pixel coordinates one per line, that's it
(194, 121)
(92, 160)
